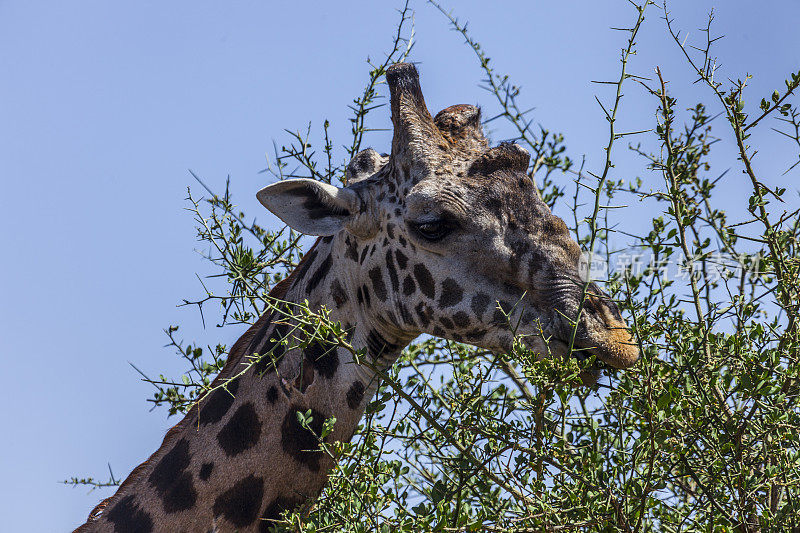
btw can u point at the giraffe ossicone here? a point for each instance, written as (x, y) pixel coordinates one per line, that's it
(444, 236)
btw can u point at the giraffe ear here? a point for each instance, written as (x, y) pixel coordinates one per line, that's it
(309, 206)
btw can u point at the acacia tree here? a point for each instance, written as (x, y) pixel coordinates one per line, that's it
(701, 435)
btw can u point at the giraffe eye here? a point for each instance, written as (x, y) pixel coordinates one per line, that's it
(432, 230)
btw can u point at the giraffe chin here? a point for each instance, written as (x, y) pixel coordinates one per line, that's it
(589, 377)
(591, 374)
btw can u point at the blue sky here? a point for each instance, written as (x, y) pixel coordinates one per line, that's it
(105, 107)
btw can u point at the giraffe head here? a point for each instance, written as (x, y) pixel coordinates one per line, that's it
(447, 236)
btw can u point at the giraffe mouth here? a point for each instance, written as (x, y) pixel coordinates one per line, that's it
(601, 331)
(590, 373)
(580, 354)
(610, 343)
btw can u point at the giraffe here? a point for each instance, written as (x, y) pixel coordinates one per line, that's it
(444, 236)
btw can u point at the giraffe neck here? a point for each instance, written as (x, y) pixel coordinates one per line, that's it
(241, 457)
